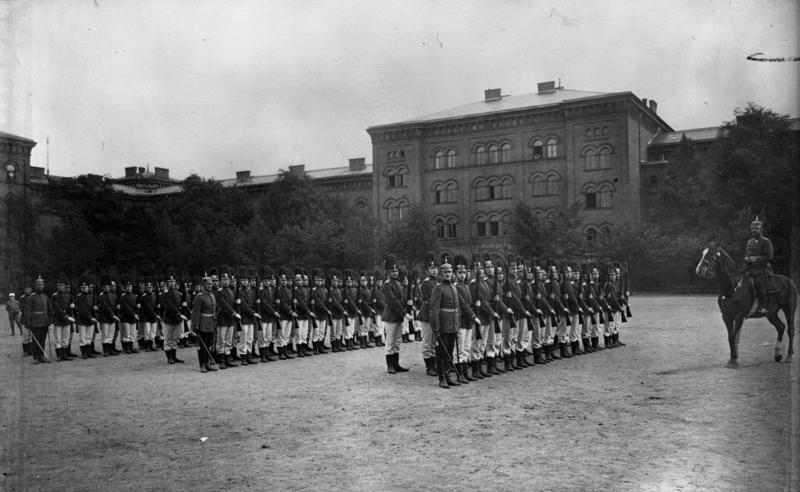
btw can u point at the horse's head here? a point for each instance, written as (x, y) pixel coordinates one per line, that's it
(709, 262)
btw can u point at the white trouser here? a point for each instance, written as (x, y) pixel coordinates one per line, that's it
(85, 334)
(428, 343)
(301, 337)
(266, 334)
(463, 345)
(149, 330)
(61, 336)
(509, 336)
(478, 346)
(128, 331)
(394, 336)
(336, 329)
(245, 344)
(283, 337)
(350, 328)
(536, 333)
(523, 335)
(171, 335)
(378, 326)
(107, 332)
(574, 329)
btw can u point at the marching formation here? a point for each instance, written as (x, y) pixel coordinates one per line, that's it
(469, 316)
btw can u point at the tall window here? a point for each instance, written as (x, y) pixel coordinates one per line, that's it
(438, 160)
(451, 158)
(538, 149)
(605, 235)
(605, 158)
(446, 227)
(440, 227)
(545, 185)
(445, 192)
(395, 176)
(481, 157)
(493, 157)
(590, 160)
(551, 184)
(551, 151)
(505, 152)
(598, 196)
(605, 195)
(396, 209)
(652, 185)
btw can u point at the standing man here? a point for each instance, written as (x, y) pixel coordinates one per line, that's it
(469, 320)
(364, 301)
(283, 303)
(171, 318)
(226, 298)
(14, 313)
(378, 305)
(319, 306)
(519, 339)
(204, 309)
(61, 320)
(350, 303)
(575, 311)
(482, 306)
(245, 300)
(107, 315)
(758, 253)
(394, 315)
(37, 319)
(445, 320)
(300, 301)
(149, 320)
(85, 318)
(128, 314)
(424, 314)
(24, 306)
(338, 313)
(269, 315)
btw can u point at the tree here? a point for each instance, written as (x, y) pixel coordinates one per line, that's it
(410, 238)
(557, 236)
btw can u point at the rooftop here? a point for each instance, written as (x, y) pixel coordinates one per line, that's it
(509, 103)
(15, 137)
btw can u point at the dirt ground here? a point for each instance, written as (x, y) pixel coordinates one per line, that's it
(662, 413)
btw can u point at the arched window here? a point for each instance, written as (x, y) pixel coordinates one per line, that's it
(591, 237)
(451, 158)
(493, 226)
(438, 160)
(551, 184)
(605, 130)
(605, 195)
(538, 149)
(361, 203)
(605, 235)
(395, 176)
(604, 161)
(597, 132)
(551, 150)
(451, 227)
(440, 227)
(396, 209)
(444, 192)
(481, 189)
(590, 159)
(481, 157)
(539, 185)
(480, 226)
(505, 221)
(450, 192)
(590, 196)
(493, 157)
(505, 152)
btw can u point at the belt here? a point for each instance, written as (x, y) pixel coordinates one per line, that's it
(449, 310)
(207, 315)
(38, 312)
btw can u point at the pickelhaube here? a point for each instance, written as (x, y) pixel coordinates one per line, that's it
(390, 263)
(757, 222)
(460, 262)
(334, 273)
(430, 260)
(446, 261)
(378, 275)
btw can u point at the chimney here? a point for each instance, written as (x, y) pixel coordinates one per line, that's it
(298, 170)
(130, 171)
(161, 173)
(140, 170)
(492, 95)
(242, 176)
(358, 164)
(547, 87)
(653, 106)
(644, 101)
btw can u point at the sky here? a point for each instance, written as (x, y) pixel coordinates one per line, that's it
(213, 87)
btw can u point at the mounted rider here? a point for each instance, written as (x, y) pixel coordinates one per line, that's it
(758, 253)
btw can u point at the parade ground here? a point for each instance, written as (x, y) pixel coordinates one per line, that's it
(662, 413)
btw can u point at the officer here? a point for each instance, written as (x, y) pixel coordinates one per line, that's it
(758, 253)
(204, 308)
(37, 319)
(394, 315)
(445, 320)
(424, 315)
(24, 306)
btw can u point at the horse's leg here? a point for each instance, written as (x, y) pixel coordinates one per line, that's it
(778, 324)
(730, 325)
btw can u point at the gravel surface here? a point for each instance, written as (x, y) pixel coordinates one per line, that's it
(662, 413)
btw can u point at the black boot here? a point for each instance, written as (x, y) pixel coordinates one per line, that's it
(322, 348)
(553, 352)
(587, 346)
(607, 341)
(175, 359)
(125, 348)
(576, 348)
(497, 367)
(564, 352)
(596, 344)
(476, 370)
(397, 366)
(491, 370)
(263, 354)
(282, 354)
(286, 353)
(507, 363)
(390, 364)
(220, 360)
(168, 353)
(83, 352)
(230, 361)
(443, 382)
(133, 349)
(484, 373)
(461, 376)
(417, 336)
(430, 370)
(251, 361)
(449, 378)
(465, 366)
(616, 340)
(379, 341)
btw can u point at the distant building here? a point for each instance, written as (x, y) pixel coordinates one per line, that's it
(551, 149)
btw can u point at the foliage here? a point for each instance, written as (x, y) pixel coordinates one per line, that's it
(556, 236)
(410, 238)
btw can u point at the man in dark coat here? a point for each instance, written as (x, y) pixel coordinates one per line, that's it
(394, 315)
(445, 320)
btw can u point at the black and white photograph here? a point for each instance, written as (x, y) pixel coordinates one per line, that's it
(347, 245)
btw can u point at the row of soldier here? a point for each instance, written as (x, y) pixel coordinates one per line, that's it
(522, 314)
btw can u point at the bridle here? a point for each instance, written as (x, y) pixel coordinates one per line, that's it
(707, 268)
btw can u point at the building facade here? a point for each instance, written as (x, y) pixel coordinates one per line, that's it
(554, 149)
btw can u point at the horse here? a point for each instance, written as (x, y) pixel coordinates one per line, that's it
(737, 300)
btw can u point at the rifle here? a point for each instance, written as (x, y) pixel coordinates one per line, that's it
(497, 327)
(410, 307)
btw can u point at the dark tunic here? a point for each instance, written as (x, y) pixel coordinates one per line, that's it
(444, 308)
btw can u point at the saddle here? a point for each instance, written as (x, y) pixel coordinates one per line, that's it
(772, 288)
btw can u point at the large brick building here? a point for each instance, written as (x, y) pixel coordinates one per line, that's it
(552, 149)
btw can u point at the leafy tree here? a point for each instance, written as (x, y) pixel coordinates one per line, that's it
(411, 237)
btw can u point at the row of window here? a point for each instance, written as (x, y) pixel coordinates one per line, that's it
(501, 188)
(497, 225)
